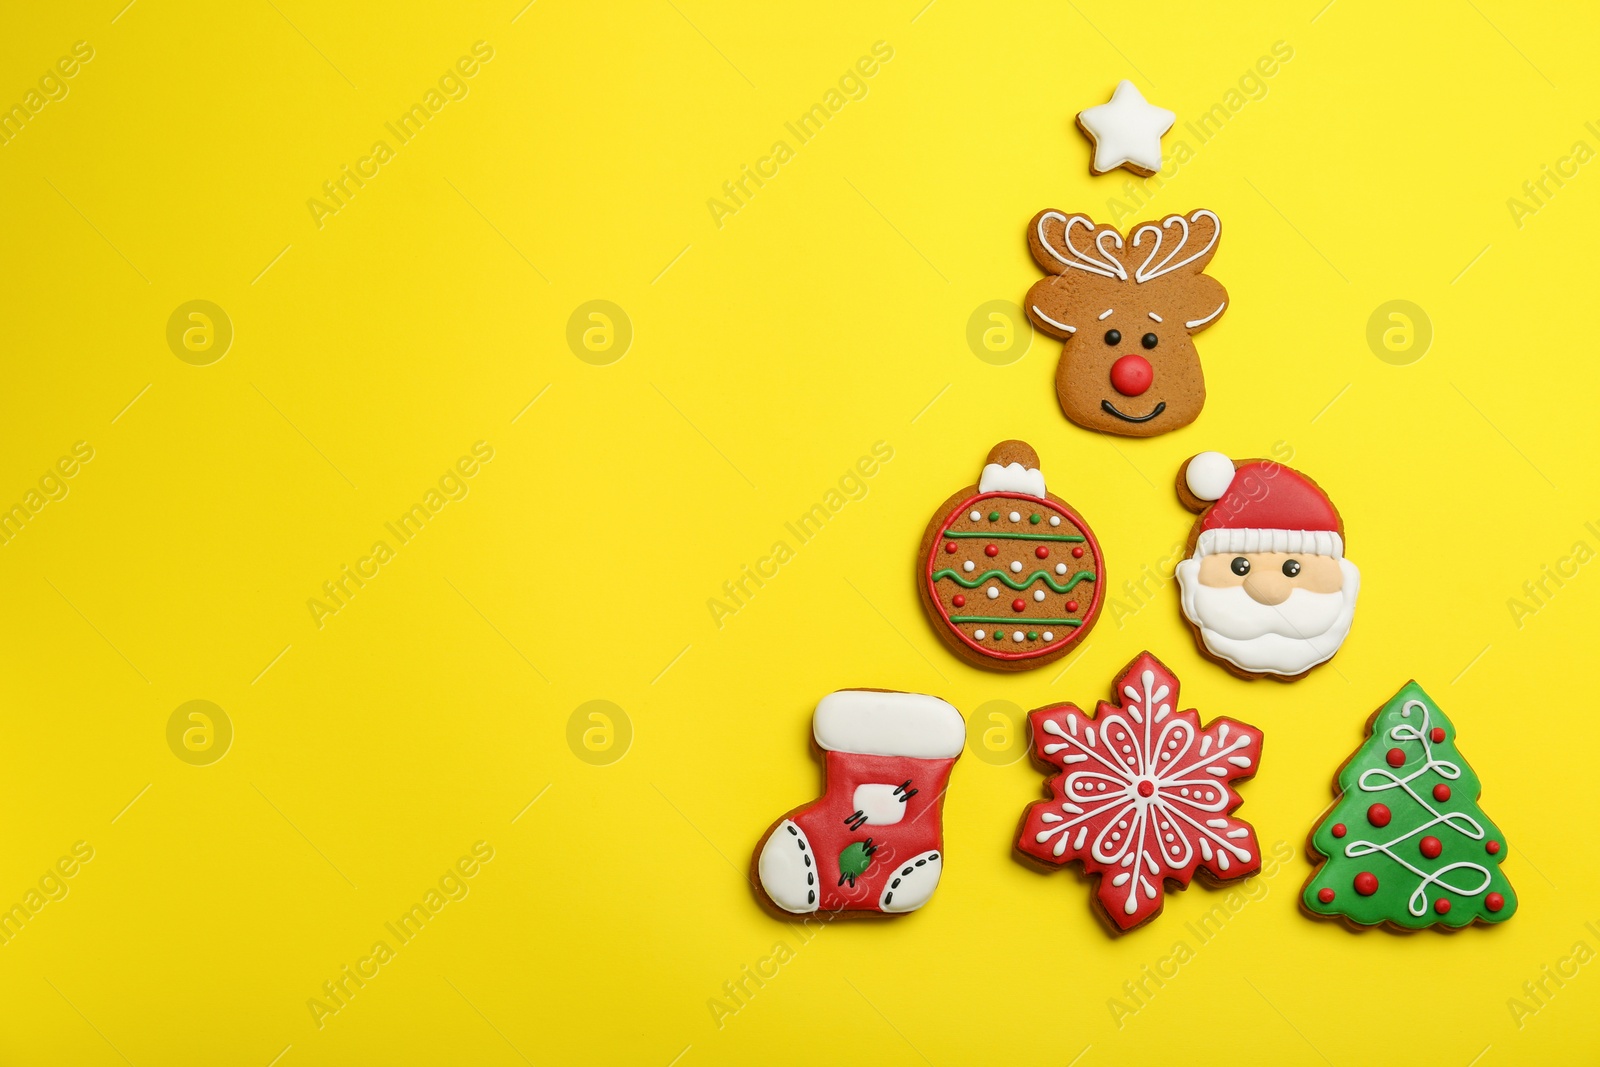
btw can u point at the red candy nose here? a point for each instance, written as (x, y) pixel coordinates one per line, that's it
(1131, 375)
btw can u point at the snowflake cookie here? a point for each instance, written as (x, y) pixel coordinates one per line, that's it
(1144, 795)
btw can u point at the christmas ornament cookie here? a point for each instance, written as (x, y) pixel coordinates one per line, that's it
(1127, 312)
(1011, 577)
(1126, 132)
(1265, 587)
(1144, 794)
(1406, 843)
(873, 842)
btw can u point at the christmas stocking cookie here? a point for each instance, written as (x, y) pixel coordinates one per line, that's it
(1144, 795)
(874, 840)
(1406, 843)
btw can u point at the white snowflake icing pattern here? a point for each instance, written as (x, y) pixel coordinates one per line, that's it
(1150, 797)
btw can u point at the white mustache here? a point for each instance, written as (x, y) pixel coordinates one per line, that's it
(1287, 638)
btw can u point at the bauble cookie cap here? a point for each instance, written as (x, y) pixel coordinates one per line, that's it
(1012, 467)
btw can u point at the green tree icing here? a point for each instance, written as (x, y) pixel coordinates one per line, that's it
(1408, 818)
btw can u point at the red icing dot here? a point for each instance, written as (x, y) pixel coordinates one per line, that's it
(1018, 604)
(1492, 848)
(1325, 896)
(1366, 883)
(1338, 829)
(949, 546)
(1378, 815)
(1442, 906)
(1431, 847)
(1147, 788)
(1437, 734)
(1077, 552)
(990, 550)
(1441, 792)
(1072, 605)
(959, 601)
(1395, 757)
(1494, 901)
(1042, 552)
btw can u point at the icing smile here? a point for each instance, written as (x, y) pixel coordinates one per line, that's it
(1159, 408)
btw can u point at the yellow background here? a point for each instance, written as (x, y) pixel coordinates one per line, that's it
(828, 313)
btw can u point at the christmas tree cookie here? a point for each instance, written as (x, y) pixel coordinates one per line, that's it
(1144, 794)
(1406, 843)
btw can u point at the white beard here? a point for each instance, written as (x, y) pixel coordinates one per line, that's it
(1285, 639)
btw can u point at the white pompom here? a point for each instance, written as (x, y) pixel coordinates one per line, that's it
(1209, 475)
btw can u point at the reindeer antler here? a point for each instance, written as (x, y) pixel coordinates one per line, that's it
(1101, 261)
(1145, 272)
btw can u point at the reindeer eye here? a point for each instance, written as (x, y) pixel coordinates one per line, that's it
(1240, 566)
(1149, 340)
(1113, 337)
(1291, 568)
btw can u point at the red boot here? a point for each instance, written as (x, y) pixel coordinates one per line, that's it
(874, 840)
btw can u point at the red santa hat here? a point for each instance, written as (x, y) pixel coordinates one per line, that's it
(1261, 506)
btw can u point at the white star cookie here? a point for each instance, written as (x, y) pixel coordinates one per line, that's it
(1126, 132)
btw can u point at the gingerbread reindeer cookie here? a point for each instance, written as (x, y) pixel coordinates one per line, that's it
(1010, 575)
(1127, 311)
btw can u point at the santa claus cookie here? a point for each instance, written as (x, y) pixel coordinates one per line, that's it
(1142, 795)
(1127, 311)
(1265, 586)
(1010, 575)
(873, 842)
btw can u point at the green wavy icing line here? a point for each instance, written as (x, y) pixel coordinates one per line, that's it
(1081, 576)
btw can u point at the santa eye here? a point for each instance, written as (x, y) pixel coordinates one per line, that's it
(1291, 568)
(1113, 337)
(1149, 340)
(1240, 565)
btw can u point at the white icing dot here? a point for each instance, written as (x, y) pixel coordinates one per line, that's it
(1015, 516)
(1169, 837)
(1127, 748)
(979, 635)
(1017, 635)
(1102, 787)
(1116, 836)
(1048, 636)
(1038, 594)
(1061, 568)
(976, 516)
(1185, 792)
(1016, 566)
(968, 565)
(994, 591)
(1055, 520)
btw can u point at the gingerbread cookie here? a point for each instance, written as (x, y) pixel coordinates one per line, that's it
(1010, 575)
(873, 842)
(1405, 843)
(1126, 132)
(1266, 587)
(1142, 794)
(1127, 311)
